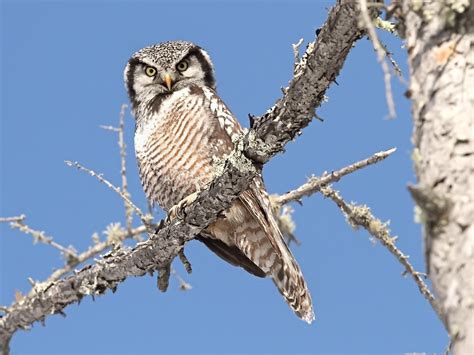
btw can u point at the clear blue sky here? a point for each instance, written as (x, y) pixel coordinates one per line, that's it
(61, 76)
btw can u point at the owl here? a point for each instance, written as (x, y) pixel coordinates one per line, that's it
(182, 128)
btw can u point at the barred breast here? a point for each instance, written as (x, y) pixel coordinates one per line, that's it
(176, 148)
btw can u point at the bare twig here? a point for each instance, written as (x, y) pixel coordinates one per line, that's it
(296, 51)
(110, 128)
(380, 56)
(145, 219)
(123, 167)
(19, 218)
(361, 216)
(40, 237)
(392, 60)
(314, 184)
(123, 163)
(183, 285)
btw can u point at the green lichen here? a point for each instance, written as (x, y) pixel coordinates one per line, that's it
(452, 9)
(385, 25)
(448, 10)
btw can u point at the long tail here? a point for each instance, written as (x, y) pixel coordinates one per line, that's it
(256, 244)
(284, 269)
(289, 280)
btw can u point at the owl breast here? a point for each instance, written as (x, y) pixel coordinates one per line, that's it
(177, 146)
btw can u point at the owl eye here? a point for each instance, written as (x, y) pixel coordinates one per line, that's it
(150, 71)
(182, 66)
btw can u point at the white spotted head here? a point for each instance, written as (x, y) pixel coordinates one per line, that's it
(154, 72)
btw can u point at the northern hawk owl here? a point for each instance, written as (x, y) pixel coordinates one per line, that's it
(182, 127)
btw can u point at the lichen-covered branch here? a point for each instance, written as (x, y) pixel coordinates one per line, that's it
(93, 251)
(155, 253)
(361, 216)
(317, 69)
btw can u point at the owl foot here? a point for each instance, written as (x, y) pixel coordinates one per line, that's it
(177, 210)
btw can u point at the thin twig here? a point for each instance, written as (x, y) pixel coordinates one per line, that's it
(123, 167)
(19, 218)
(361, 216)
(380, 56)
(110, 128)
(183, 285)
(314, 184)
(145, 219)
(41, 237)
(296, 51)
(392, 60)
(123, 163)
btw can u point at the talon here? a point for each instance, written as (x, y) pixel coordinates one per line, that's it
(177, 210)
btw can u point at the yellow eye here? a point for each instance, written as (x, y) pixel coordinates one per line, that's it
(150, 71)
(182, 66)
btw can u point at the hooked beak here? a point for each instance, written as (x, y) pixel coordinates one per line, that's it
(168, 81)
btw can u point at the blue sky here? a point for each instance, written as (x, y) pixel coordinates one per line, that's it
(61, 70)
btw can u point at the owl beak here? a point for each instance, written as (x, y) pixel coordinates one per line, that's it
(168, 81)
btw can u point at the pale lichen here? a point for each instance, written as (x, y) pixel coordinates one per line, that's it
(385, 25)
(114, 233)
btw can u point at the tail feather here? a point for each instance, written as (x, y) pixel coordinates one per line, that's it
(249, 237)
(290, 282)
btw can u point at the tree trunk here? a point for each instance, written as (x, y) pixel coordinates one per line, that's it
(440, 44)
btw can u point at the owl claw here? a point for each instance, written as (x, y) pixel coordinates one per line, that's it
(177, 210)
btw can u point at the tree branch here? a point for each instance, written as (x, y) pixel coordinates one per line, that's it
(145, 219)
(40, 237)
(361, 216)
(381, 53)
(317, 69)
(315, 184)
(319, 66)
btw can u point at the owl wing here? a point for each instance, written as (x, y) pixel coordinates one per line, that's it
(249, 235)
(226, 129)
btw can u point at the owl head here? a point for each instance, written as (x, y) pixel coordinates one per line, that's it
(166, 67)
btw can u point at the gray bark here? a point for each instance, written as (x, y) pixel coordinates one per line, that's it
(319, 66)
(440, 44)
